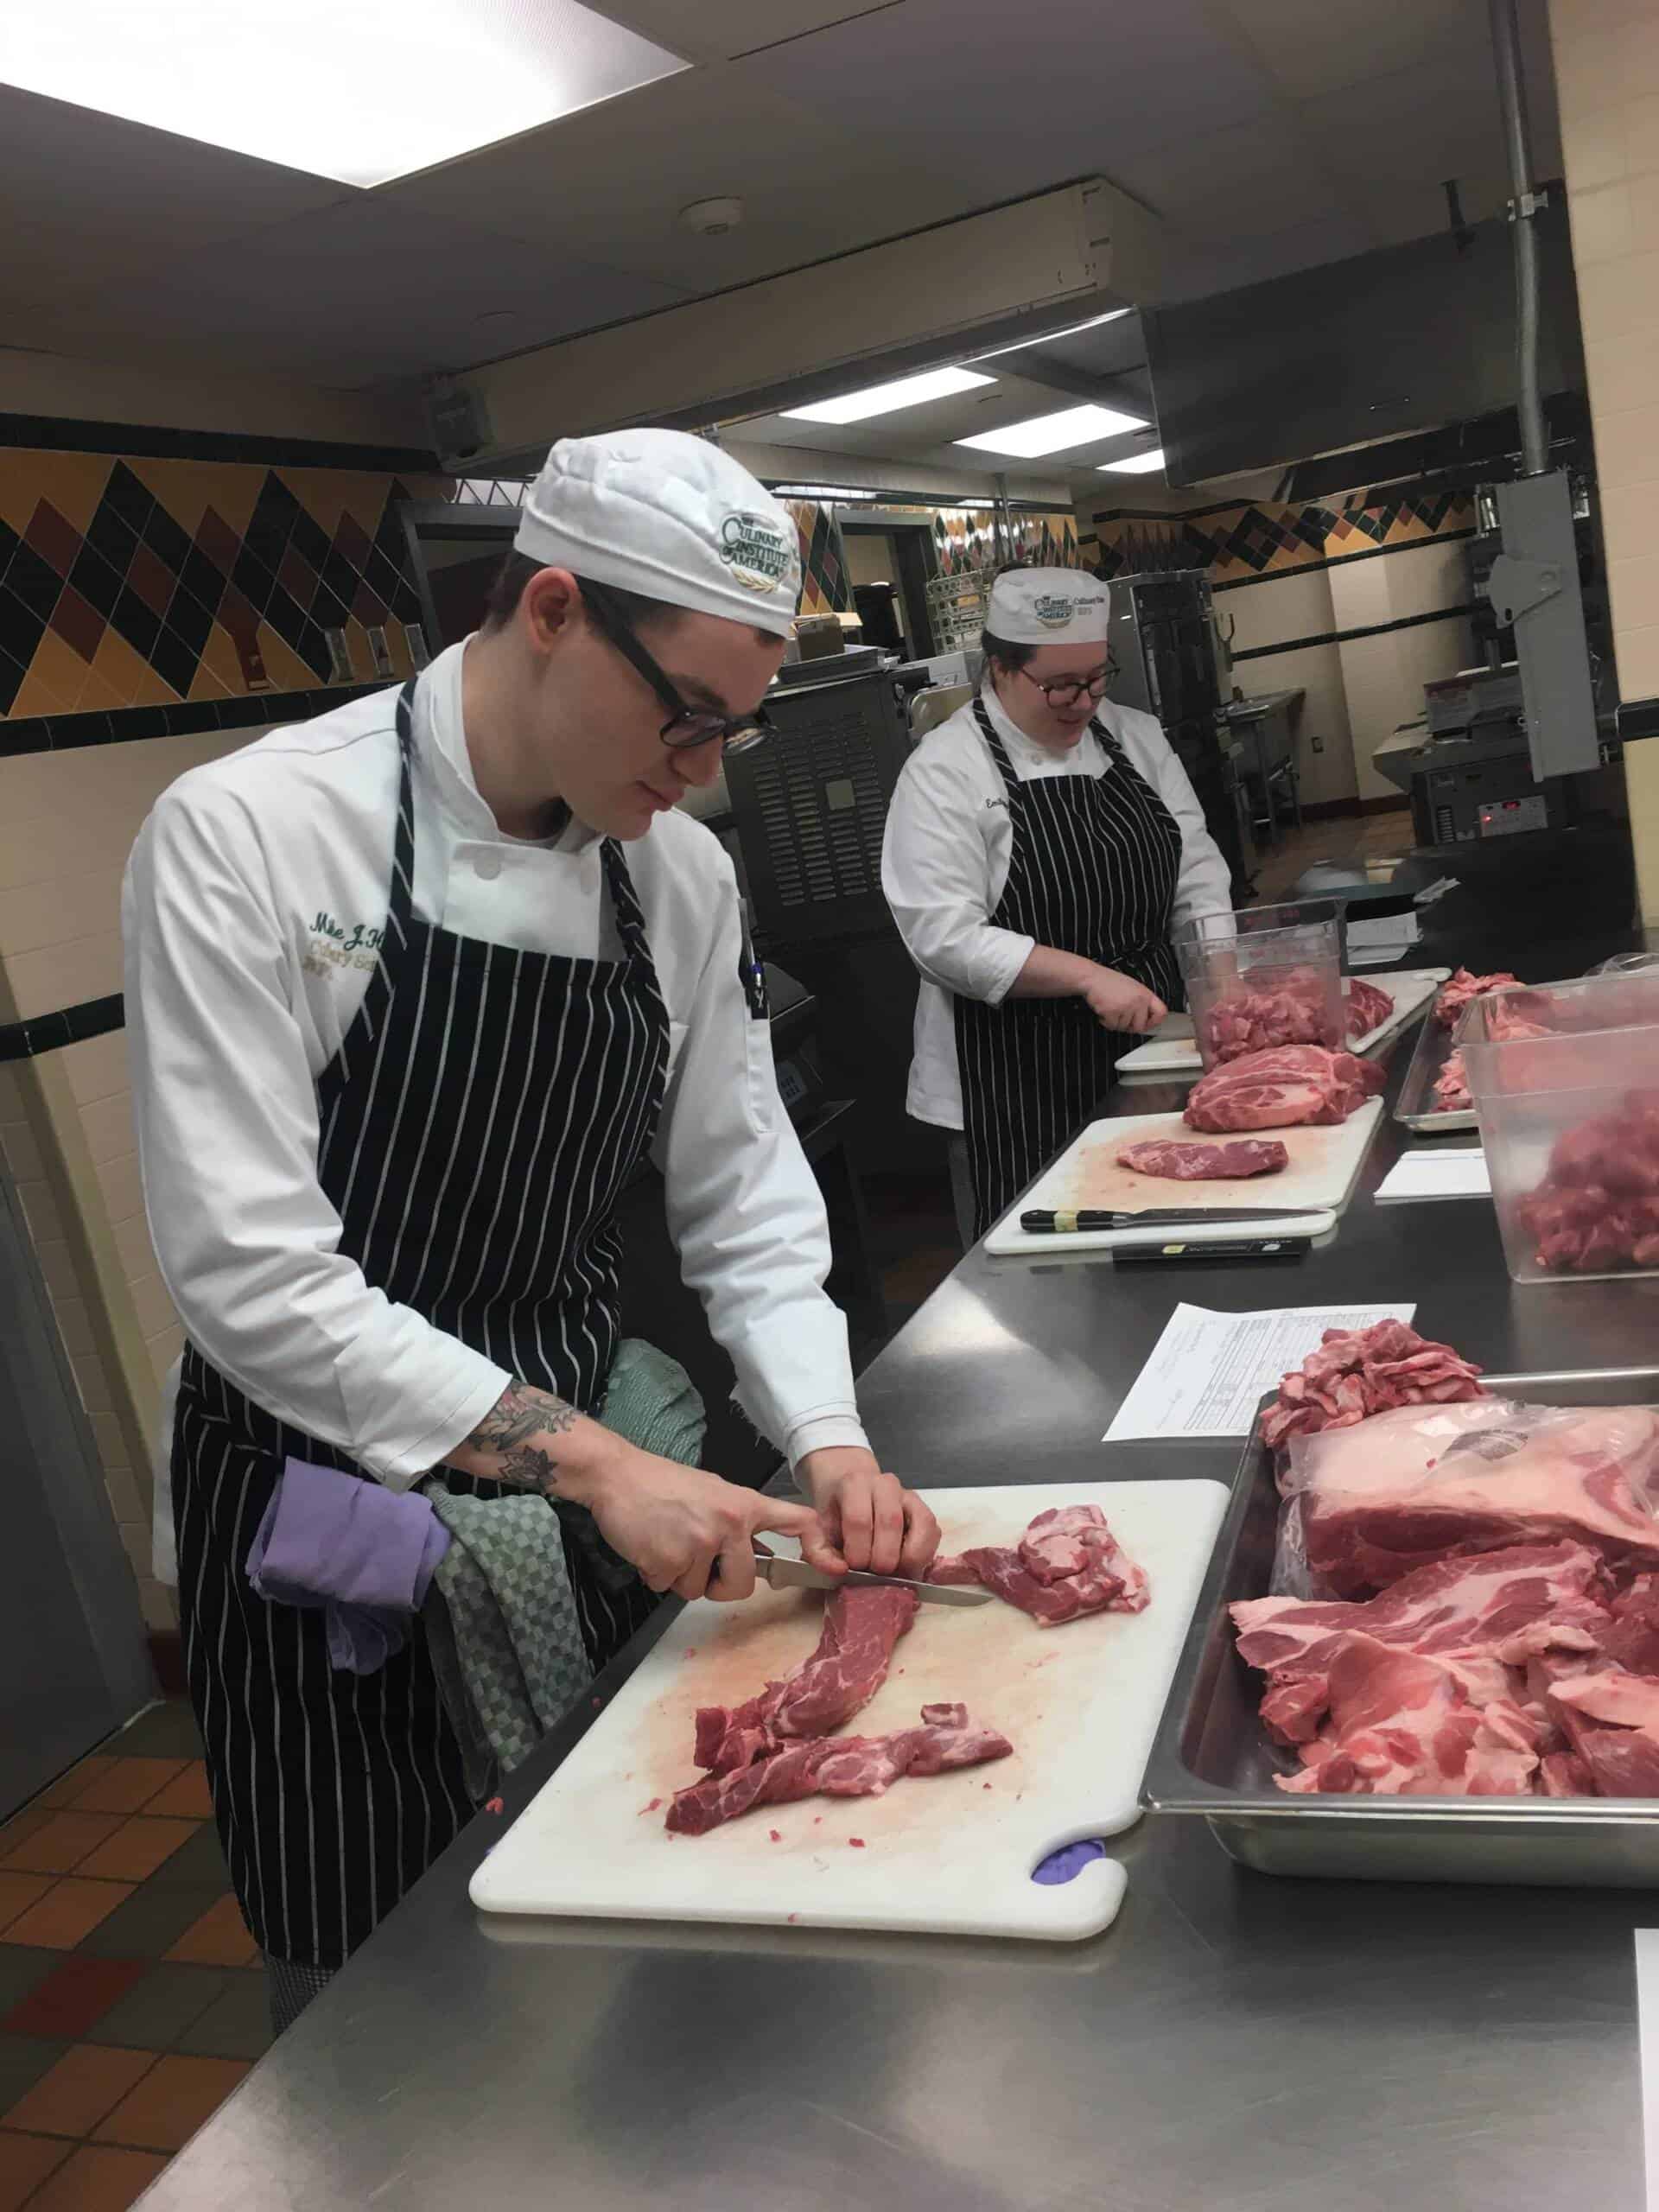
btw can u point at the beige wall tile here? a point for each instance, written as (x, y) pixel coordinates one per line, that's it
(151, 1303)
(59, 848)
(136, 1541)
(161, 1605)
(1634, 585)
(59, 1268)
(21, 1150)
(11, 1097)
(65, 975)
(164, 1348)
(46, 1224)
(1627, 447)
(98, 1068)
(36, 915)
(1617, 297)
(108, 1126)
(74, 1326)
(1597, 150)
(1636, 652)
(1624, 373)
(93, 1384)
(112, 1443)
(124, 1192)
(132, 1245)
(1627, 523)
(124, 1500)
(1601, 224)
(1641, 133)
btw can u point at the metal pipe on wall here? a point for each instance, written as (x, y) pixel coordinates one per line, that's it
(1523, 207)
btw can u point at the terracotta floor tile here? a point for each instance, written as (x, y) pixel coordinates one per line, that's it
(171, 2102)
(185, 1796)
(127, 1784)
(17, 1890)
(136, 1849)
(29, 1822)
(88, 2081)
(98, 2180)
(25, 2162)
(220, 1938)
(61, 1843)
(72, 1998)
(70, 1910)
(67, 1787)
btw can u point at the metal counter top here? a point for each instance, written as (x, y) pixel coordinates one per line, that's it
(1235, 2042)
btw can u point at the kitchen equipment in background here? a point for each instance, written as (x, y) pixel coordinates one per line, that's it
(1262, 951)
(956, 606)
(817, 637)
(1164, 641)
(1325, 1165)
(1264, 733)
(879, 616)
(952, 1853)
(1212, 1759)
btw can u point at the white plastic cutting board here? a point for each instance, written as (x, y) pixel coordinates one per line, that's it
(951, 1852)
(1173, 1051)
(1325, 1165)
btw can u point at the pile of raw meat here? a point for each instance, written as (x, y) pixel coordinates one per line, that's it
(1368, 1007)
(1455, 994)
(1598, 1206)
(1068, 1563)
(1297, 1083)
(1180, 1162)
(778, 1747)
(1486, 1615)
(1516, 1014)
(1358, 1372)
(1295, 1010)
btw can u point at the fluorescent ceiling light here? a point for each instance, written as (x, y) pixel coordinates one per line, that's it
(1050, 336)
(819, 492)
(888, 399)
(1041, 433)
(1135, 464)
(347, 89)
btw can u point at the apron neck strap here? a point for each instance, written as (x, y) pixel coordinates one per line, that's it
(1109, 744)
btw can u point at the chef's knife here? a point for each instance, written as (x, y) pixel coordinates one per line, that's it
(796, 1574)
(1041, 1222)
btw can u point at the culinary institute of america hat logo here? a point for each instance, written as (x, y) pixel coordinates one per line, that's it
(1052, 610)
(756, 552)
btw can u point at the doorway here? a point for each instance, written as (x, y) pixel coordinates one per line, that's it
(889, 566)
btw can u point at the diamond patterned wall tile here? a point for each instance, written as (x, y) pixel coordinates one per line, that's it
(54, 538)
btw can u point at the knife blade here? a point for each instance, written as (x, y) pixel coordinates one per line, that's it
(797, 1574)
(1041, 1220)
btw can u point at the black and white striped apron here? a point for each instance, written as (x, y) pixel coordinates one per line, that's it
(478, 1124)
(1093, 870)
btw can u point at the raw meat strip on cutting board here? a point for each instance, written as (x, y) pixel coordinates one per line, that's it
(1368, 1007)
(1375, 1504)
(1358, 1372)
(1204, 1163)
(860, 1628)
(1068, 1563)
(838, 1766)
(1295, 1011)
(1297, 1083)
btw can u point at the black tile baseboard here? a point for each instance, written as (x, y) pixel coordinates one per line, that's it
(122, 725)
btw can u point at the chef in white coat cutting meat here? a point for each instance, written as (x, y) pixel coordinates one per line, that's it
(1041, 846)
(412, 990)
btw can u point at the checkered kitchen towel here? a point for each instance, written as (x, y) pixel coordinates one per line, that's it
(501, 1620)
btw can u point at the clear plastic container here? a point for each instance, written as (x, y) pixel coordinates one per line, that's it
(1564, 1078)
(1265, 976)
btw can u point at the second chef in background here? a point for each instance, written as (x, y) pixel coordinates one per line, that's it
(1041, 846)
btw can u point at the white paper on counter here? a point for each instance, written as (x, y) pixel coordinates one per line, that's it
(1647, 2020)
(1207, 1371)
(1390, 937)
(1458, 1172)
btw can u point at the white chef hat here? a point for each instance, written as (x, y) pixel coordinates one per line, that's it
(1049, 607)
(668, 516)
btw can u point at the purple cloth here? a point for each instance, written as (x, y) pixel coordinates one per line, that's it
(1067, 1862)
(364, 1554)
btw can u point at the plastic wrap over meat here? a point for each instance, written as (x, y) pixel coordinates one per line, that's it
(1368, 1007)
(1358, 1372)
(1397, 1493)
(1292, 1009)
(1455, 994)
(1296, 1085)
(1598, 1206)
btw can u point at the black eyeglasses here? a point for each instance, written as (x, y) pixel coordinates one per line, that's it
(1071, 689)
(686, 727)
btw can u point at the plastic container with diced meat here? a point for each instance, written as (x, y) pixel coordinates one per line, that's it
(1565, 1079)
(1264, 976)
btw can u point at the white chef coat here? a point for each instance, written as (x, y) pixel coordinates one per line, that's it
(253, 901)
(944, 867)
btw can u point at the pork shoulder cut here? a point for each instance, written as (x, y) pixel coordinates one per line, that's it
(1181, 1162)
(1357, 1372)
(1068, 1563)
(1282, 1089)
(1368, 1006)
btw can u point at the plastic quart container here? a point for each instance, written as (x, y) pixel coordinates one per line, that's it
(1564, 1078)
(1265, 976)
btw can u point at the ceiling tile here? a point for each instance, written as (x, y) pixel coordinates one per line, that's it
(717, 29)
(1313, 46)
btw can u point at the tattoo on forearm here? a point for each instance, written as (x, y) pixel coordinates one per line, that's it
(519, 1413)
